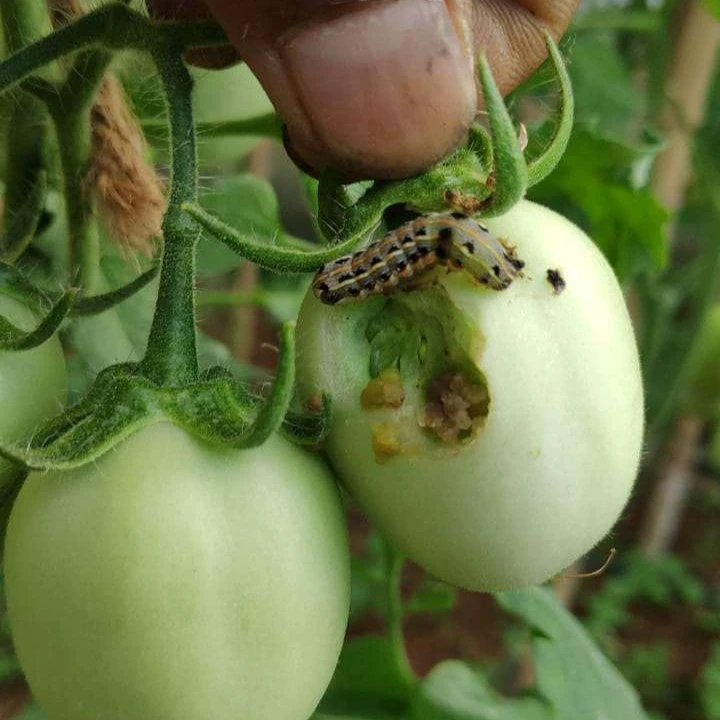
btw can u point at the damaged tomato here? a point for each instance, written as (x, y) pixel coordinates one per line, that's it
(511, 438)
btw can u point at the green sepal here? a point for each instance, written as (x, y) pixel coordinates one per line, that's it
(479, 143)
(306, 427)
(13, 338)
(96, 304)
(9, 490)
(545, 163)
(462, 174)
(510, 172)
(272, 412)
(118, 404)
(122, 400)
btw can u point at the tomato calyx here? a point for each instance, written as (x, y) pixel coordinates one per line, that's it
(216, 408)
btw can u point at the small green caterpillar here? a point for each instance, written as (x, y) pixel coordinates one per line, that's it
(395, 262)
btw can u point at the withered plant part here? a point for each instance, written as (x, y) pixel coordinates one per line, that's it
(128, 192)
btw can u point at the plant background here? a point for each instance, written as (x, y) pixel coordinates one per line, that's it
(642, 176)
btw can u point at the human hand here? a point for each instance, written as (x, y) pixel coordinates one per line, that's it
(378, 88)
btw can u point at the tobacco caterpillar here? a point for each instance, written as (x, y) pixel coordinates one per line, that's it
(399, 260)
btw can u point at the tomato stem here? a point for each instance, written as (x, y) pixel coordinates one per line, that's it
(69, 105)
(27, 136)
(70, 111)
(171, 357)
(116, 27)
(395, 562)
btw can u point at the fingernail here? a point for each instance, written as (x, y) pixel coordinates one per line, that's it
(389, 88)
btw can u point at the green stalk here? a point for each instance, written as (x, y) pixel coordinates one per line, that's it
(115, 26)
(27, 136)
(171, 357)
(70, 108)
(395, 563)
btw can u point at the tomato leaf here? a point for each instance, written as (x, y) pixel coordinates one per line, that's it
(571, 672)
(454, 691)
(602, 84)
(594, 187)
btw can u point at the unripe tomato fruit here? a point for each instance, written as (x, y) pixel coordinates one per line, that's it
(171, 580)
(32, 382)
(551, 459)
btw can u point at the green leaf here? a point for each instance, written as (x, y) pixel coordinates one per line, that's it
(604, 94)
(571, 672)
(593, 186)
(249, 205)
(453, 691)
(366, 680)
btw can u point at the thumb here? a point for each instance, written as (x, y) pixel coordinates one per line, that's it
(370, 89)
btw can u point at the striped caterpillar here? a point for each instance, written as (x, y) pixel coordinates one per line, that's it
(398, 260)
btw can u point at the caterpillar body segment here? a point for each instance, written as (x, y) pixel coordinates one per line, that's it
(401, 259)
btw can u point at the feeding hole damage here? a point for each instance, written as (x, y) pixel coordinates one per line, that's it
(456, 407)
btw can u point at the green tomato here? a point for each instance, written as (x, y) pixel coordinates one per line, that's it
(32, 382)
(547, 415)
(171, 580)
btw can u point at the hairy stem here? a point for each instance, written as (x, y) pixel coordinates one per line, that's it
(171, 357)
(114, 26)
